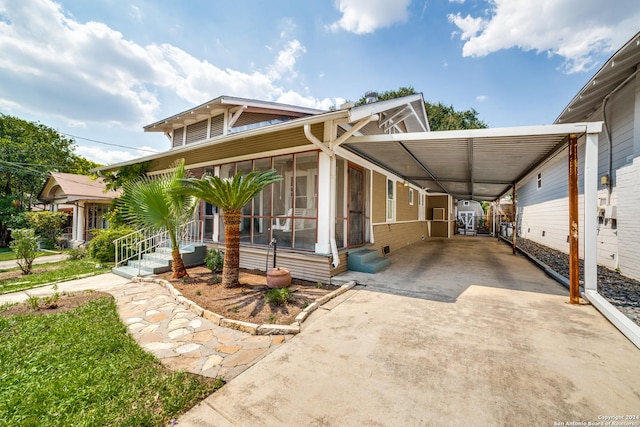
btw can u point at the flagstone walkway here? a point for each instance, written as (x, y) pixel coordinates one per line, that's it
(183, 340)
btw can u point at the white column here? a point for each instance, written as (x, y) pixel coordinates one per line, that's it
(216, 216)
(590, 234)
(74, 224)
(325, 193)
(80, 223)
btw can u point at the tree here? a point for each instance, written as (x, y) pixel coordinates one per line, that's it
(28, 152)
(49, 225)
(441, 116)
(230, 195)
(24, 246)
(152, 202)
(445, 117)
(115, 180)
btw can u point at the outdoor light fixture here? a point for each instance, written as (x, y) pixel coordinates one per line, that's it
(405, 183)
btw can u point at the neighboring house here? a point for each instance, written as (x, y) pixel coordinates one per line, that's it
(84, 198)
(371, 176)
(470, 216)
(612, 95)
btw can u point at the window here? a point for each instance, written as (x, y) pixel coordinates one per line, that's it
(465, 203)
(390, 191)
(286, 210)
(539, 180)
(411, 196)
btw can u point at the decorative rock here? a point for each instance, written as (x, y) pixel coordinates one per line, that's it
(302, 316)
(240, 326)
(278, 329)
(213, 317)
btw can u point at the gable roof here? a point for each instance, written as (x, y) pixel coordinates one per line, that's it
(405, 114)
(218, 106)
(621, 66)
(70, 187)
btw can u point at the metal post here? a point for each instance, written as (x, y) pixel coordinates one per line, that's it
(498, 220)
(574, 271)
(513, 216)
(275, 246)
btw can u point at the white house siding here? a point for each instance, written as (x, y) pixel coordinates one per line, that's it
(629, 219)
(546, 209)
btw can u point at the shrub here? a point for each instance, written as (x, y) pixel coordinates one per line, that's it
(78, 253)
(214, 260)
(49, 225)
(102, 247)
(24, 245)
(278, 296)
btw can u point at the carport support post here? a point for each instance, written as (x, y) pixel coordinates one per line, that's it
(574, 271)
(513, 216)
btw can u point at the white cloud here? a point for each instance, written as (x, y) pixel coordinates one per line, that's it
(366, 16)
(88, 73)
(286, 60)
(135, 13)
(107, 156)
(481, 98)
(294, 98)
(576, 30)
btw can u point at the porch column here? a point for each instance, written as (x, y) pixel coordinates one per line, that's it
(590, 208)
(74, 223)
(326, 191)
(81, 222)
(215, 236)
(514, 222)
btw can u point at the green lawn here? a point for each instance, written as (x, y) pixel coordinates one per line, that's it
(51, 272)
(81, 368)
(7, 255)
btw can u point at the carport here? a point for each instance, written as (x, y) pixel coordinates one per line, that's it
(486, 164)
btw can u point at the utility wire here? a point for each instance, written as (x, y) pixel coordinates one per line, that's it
(107, 143)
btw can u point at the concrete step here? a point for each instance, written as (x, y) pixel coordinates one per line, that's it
(125, 271)
(150, 267)
(366, 261)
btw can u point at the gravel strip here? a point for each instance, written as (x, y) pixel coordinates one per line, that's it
(622, 292)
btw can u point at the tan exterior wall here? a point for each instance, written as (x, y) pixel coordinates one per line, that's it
(439, 228)
(405, 211)
(398, 235)
(218, 153)
(379, 199)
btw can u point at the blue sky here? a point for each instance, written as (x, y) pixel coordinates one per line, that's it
(101, 70)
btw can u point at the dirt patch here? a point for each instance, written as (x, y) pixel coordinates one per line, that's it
(246, 302)
(14, 274)
(49, 305)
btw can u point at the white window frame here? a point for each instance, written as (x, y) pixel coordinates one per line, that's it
(411, 197)
(391, 214)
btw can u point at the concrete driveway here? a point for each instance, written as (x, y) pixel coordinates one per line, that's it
(456, 332)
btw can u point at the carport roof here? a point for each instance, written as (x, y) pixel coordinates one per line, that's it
(478, 164)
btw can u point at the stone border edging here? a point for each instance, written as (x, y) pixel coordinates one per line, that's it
(251, 328)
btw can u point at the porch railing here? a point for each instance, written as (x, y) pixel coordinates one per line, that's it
(136, 244)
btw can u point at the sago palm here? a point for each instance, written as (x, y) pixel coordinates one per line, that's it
(230, 195)
(149, 202)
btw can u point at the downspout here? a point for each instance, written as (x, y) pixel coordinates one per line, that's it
(608, 132)
(332, 202)
(332, 177)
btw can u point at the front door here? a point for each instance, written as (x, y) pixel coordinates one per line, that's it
(356, 206)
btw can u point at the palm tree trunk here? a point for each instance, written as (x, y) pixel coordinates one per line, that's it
(232, 248)
(177, 265)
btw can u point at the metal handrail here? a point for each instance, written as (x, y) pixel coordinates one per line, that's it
(134, 245)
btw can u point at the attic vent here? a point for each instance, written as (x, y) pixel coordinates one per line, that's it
(370, 96)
